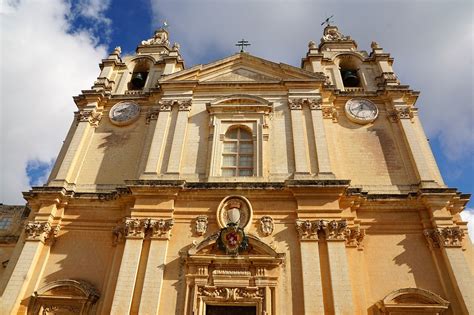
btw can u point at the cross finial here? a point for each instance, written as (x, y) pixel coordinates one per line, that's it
(242, 43)
(327, 21)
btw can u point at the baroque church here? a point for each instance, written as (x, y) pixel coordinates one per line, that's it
(244, 186)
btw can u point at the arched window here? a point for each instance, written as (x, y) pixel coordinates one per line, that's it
(237, 158)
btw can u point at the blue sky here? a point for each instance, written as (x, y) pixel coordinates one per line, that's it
(431, 41)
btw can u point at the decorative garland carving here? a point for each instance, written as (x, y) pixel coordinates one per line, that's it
(165, 106)
(201, 225)
(354, 237)
(184, 105)
(335, 230)
(308, 229)
(159, 228)
(232, 294)
(90, 116)
(312, 103)
(295, 104)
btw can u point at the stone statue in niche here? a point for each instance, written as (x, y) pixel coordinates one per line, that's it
(201, 225)
(266, 225)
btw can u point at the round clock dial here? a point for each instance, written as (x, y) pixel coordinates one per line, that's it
(124, 113)
(361, 111)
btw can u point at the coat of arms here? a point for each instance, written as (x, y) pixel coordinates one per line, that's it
(232, 239)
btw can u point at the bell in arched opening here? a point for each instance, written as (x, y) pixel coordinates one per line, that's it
(139, 79)
(350, 78)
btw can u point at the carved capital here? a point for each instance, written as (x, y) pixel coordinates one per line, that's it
(401, 113)
(152, 115)
(354, 237)
(165, 106)
(41, 231)
(295, 104)
(90, 116)
(266, 225)
(159, 228)
(446, 237)
(184, 105)
(308, 230)
(330, 113)
(134, 228)
(315, 103)
(201, 225)
(335, 230)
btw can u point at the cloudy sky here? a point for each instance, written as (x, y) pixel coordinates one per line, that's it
(50, 50)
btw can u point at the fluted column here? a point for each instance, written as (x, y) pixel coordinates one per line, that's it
(310, 266)
(36, 235)
(134, 231)
(159, 230)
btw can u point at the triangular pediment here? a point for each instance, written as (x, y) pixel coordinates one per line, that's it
(240, 68)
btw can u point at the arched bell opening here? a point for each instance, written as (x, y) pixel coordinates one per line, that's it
(349, 66)
(64, 297)
(140, 73)
(215, 280)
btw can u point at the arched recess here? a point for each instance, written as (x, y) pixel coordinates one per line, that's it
(214, 278)
(412, 300)
(64, 297)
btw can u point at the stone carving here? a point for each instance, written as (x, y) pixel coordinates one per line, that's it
(354, 236)
(139, 228)
(232, 272)
(333, 34)
(335, 230)
(176, 47)
(152, 115)
(159, 38)
(447, 237)
(315, 103)
(159, 228)
(236, 209)
(312, 45)
(37, 231)
(432, 237)
(90, 116)
(401, 113)
(165, 106)
(295, 104)
(117, 50)
(201, 225)
(308, 229)
(232, 294)
(374, 45)
(134, 228)
(330, 113)
(266, 225)
(184, 105)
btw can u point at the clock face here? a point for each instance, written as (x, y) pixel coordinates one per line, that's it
(361, 111)
(124, 113)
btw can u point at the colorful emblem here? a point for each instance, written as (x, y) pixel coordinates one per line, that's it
(232, 239)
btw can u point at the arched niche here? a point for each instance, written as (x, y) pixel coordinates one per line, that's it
(412, 300)
(64, 297)
(214, 278)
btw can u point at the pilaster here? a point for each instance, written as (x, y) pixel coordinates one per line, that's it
(179, 136)
(299, 141)
(159, 231)
(310, 266)
(86, 121)
(158, 120)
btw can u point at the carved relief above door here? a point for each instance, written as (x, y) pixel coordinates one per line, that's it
(215, 280)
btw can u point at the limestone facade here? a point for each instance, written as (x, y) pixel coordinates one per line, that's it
(245, 186)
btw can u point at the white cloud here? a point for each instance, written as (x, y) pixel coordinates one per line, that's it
(43, 64)
(468, 216)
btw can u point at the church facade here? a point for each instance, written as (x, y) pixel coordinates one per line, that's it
(244, 186)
